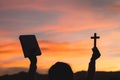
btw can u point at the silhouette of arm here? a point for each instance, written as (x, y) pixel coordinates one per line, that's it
(91, 68)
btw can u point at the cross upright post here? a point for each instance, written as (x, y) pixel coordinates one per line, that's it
(95, 37)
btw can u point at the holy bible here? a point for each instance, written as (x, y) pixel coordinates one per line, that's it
(29, 45)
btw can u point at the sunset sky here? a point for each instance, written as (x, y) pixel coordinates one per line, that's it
(63, 29)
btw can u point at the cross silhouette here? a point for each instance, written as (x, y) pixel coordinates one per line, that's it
(95, 37)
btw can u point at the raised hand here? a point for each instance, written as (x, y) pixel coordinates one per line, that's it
(96, 54)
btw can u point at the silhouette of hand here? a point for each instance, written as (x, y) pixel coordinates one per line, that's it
(96, 54)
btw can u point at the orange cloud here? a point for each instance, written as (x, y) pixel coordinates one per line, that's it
(50, 49)
(59, 47)
(10, 48)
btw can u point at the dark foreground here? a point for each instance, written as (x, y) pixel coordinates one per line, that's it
(77, 76)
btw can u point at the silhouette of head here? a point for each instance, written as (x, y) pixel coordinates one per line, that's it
(60, 71)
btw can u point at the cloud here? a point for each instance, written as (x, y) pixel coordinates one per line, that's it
(51, 50)
(74, 16)
(105, 8)
(25, 20)
(101, 3)
(64, 49)
(114, 9)
(47, 45)
(54, 5)
(10, 48)
(77, 6)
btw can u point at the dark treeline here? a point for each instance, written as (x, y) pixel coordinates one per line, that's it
(77, 76)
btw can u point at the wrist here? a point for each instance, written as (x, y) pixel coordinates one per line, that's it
(92, 60)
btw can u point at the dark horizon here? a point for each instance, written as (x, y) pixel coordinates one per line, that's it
(13, 70)
(77, 76)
